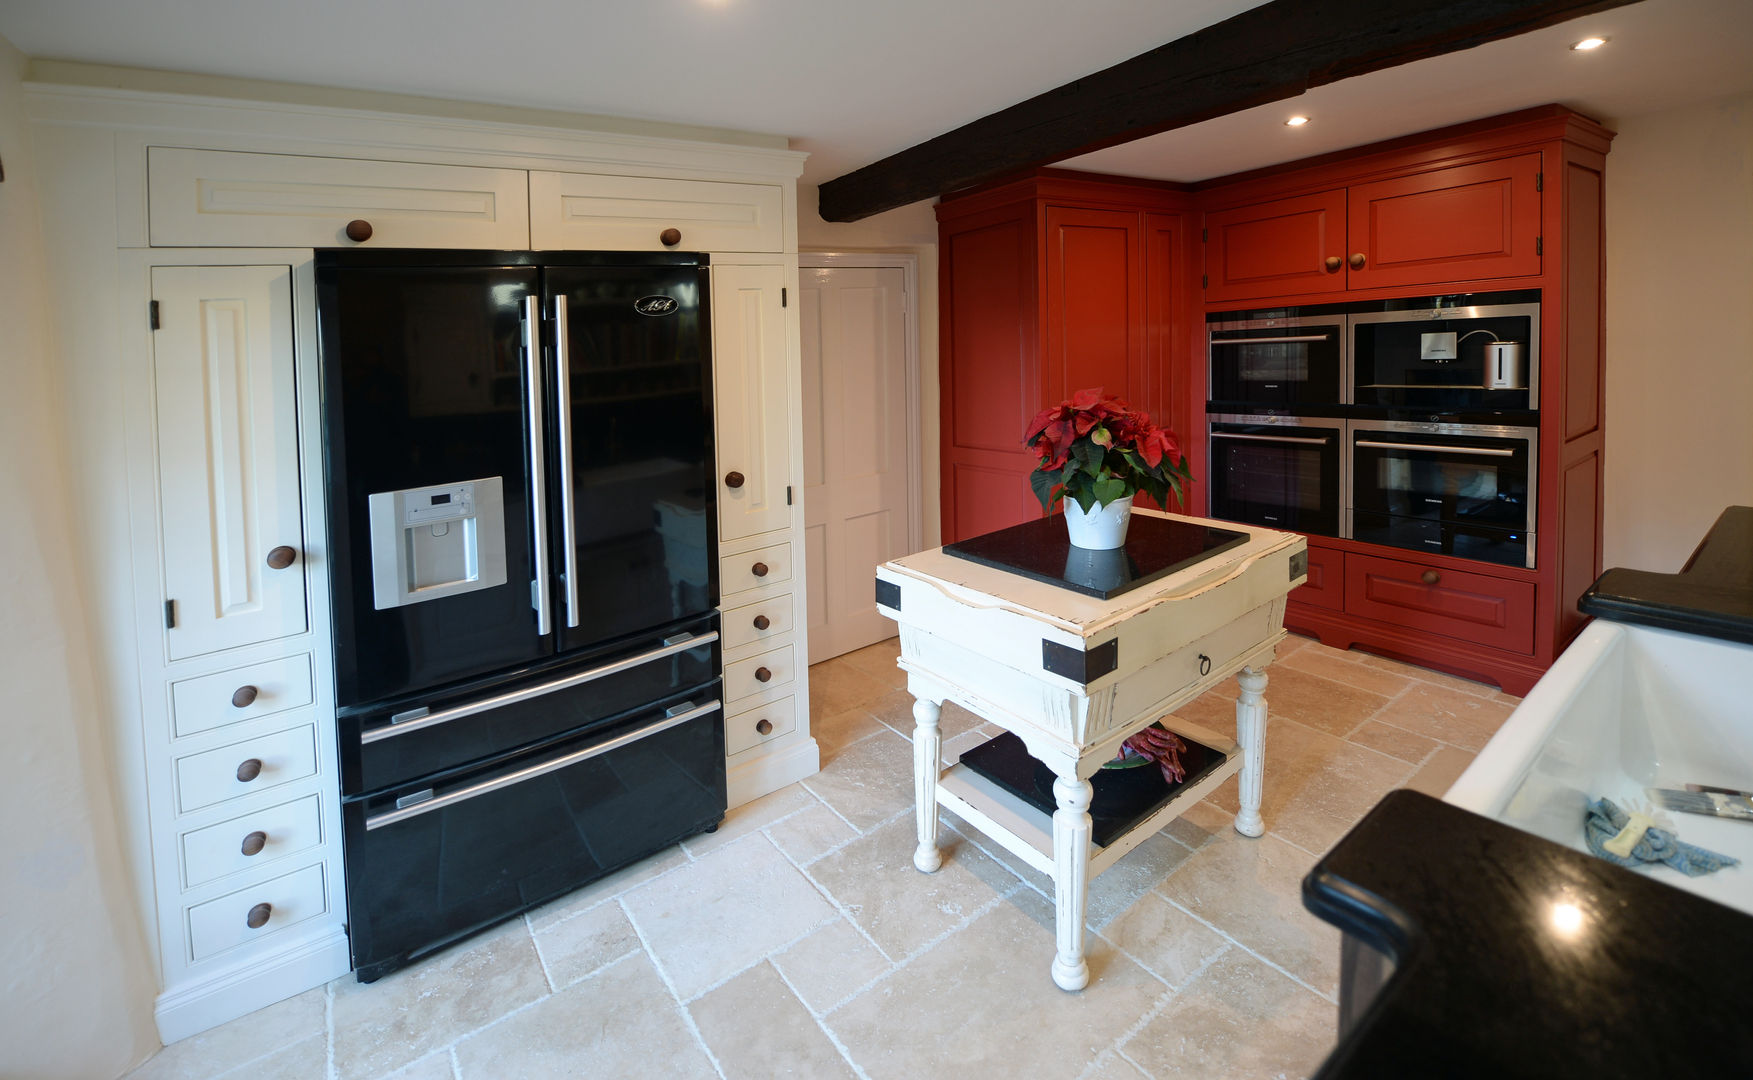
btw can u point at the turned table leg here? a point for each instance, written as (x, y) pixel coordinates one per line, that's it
(1071, 872)
(1251, 734)
(927, 751)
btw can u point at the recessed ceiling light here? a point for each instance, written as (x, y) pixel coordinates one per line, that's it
(1296, 121)
(1588, 43)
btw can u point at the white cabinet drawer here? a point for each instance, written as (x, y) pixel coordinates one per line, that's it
(224, 923)
(750, 729)
(631, 213)
(743, 678)
(212, 198)
(226, 697)
(251, 840)
(764, 620)
(754, 569)
(213, 776)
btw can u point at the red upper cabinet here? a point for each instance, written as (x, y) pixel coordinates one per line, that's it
(1278, 248)
(1455, 224)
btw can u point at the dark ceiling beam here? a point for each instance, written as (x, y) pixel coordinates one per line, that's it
(1265, 54)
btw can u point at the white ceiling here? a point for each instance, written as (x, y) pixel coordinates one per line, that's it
(852, 81)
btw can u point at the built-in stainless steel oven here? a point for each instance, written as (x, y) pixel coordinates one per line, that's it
(1452, 489)
(1274, 360)
(1283, 472)
(1460, 353)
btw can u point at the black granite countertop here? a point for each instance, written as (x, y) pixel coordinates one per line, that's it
(1711, 595)
(1516, 957)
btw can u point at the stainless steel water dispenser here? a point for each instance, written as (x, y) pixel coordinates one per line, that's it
(433, 542)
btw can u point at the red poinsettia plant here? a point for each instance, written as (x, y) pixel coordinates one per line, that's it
(1097, 449)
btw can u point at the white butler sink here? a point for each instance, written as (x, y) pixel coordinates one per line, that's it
(1626, 708)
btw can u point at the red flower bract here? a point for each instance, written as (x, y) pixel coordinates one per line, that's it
(1123, 451)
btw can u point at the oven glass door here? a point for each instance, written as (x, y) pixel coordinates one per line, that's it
(1276, 475)
(1299, 362)
(1445, 492)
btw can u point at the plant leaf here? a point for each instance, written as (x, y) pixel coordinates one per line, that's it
(1043, 484)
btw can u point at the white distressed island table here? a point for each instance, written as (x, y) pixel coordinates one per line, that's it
(1073, 675)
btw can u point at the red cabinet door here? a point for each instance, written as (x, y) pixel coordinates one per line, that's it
(1095, 300)
(1277, 248)
(1456, 224)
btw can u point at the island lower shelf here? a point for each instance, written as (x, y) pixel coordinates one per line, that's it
(1027, 832)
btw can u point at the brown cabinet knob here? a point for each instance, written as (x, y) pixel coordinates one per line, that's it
(670, 237)
(249, 770)
(762, 622)
(733, 479)
(254, 843)
(358, 230)
(243, 697)
(765, 727)
(1357, 260)
(281, 557)
(1430, 577)
(763, 675)
(1334, 262)
(258, 916)
(759, 569)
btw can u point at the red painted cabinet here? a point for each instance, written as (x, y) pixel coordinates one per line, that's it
(1457, 224)
(1276, 248)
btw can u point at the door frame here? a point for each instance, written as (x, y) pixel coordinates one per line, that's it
(908, 264)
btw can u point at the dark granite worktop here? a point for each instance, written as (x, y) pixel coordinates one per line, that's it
(1711, 595)
(1517, 957)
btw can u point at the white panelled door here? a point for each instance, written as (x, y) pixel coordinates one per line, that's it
(753, 409)
(227, 425)
(856, 501)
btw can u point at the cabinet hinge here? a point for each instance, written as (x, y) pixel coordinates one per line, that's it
(788, 494)
(1205, 235)
(1205, 281)
(152, 314)
(782, 298)
(1539, 181)
(170, 614)
(1539, 245)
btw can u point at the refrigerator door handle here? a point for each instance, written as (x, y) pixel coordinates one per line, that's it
(532, 352)
(563, 398)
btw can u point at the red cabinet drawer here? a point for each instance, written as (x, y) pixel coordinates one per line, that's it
(1472, 607)
(1326, 584)
(1276, 248)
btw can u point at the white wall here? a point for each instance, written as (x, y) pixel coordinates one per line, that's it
(1679, 379)
(75, 988)
(908, 229)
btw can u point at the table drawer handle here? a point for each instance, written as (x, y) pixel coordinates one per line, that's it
(1204, 664)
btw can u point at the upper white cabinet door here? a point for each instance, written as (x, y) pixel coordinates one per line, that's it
(752, 394)
(213, 198)
(632, 213)
(227, 455)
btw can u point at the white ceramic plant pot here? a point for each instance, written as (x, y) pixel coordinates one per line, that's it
(1102, 529)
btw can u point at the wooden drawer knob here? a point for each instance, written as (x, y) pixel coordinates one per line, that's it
(243, 697)
(759, 569)
(1357, 260)
(359, 230)
(762, 622)
(281, 557)
(733, 479)
(1430, 577)
(763, 675)
(670, 237)
(254, 843)
(249, 770)
(765, 727)
(258, 916)
(1334, 262)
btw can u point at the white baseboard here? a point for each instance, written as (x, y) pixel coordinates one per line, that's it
(750, 780)
(194, 1007)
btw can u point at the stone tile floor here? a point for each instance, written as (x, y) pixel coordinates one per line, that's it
(799, 941)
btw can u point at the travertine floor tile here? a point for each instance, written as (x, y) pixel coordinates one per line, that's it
(1251, 889)
(608, 888)
(836, 686)
(1440, 772)
(1344, 668)
(620, 1025)
(1165, 939)
(806, 835)
(406, 1015)
(1142, 869)
(247, 1038)
(1215, 711)
(574, 948)
(1453, 716)
(830, 965)
(757, 1030)
(715, 917)
(1435, 678)
(749, 817)
(869, 782)
(1321, 703)
(1393, 741)
(835, 733)
(1239, 1020)
(878, 661)
(431, 1067)
(304, 1060)
(1111, 1066)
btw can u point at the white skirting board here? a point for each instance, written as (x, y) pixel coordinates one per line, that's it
(191, 1009)
(770, 772)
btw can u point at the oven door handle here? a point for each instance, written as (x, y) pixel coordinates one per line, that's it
(1270, 438)
(1288, 339)
(689, 711)
(1474, 451)
(416, 719)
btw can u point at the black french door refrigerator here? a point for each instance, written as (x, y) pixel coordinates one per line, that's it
(518, 451)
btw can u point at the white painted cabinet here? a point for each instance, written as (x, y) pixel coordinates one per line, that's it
(638, 213)
(227, 429)
(755, 423)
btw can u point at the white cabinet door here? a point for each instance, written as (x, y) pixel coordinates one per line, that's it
(227, 455)
(633, 213)
(752, 393)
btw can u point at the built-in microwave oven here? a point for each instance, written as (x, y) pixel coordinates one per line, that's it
(1448, 354)
(1450, 489)
(1276, 360)
(1283, 472)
